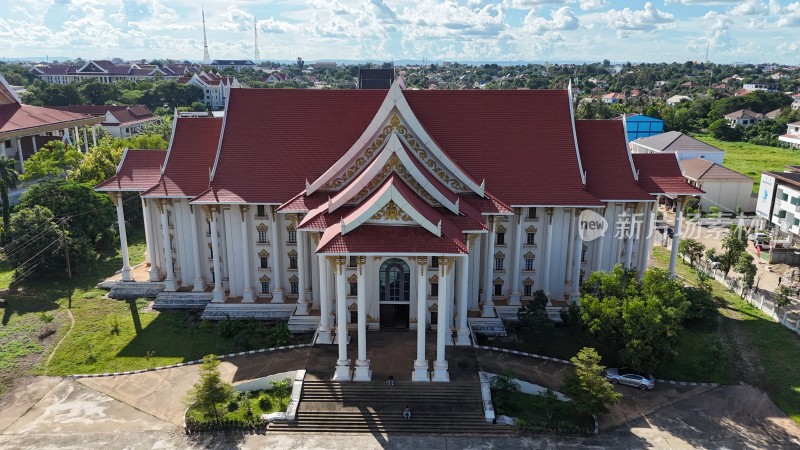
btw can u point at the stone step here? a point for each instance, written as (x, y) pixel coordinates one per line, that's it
(489, 326)
(182, 300)
(456, 423)
(303, 324)
(131, 290)
(257, 311)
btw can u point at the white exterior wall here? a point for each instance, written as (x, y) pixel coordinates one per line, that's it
(727, 195)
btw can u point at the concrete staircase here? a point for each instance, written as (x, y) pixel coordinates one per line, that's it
(303, 324)
(182, 300)
(131, 290)
(452, 408)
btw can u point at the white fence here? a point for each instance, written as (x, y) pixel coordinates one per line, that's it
(788, 316)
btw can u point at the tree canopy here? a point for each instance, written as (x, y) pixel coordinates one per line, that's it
(53, 159)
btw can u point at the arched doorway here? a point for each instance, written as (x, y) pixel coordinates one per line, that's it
(395, 284)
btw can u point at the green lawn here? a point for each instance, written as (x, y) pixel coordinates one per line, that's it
(750, 159)
(260, 402)
(776, 348)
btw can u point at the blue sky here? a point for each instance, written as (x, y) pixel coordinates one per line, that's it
(383, 30)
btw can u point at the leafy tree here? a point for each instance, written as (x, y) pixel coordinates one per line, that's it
(53, 159)
(503, 386)
(96, 93)
(747, 268)
(642, 319)
(282, 389)
(8, 181)
(99, 164)
(534, 321)
(734, 244)
(34, 242)
(90, 216)
(691, 248)
(587, 387)
(210, 391)
(723, 131)
(782, 296)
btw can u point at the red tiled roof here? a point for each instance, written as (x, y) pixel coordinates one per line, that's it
(14, 117)
(609, 175)
(189, 160)
(123, 113)
(375, 239)
(139, 171)
(659, 173)
(520, 142)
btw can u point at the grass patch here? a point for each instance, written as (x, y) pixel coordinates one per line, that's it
(538, 414)
(751, 159)
(776, 348)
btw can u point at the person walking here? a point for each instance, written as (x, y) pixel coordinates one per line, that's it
(407, 413)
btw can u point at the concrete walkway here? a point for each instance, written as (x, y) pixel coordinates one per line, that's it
(140, 411)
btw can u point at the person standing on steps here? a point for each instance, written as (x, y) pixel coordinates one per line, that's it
(407, 413)
(390, 380)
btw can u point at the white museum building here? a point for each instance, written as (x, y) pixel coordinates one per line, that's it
(377, 209)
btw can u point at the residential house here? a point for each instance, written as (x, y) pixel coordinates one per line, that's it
(675, 99)
(682, 145)
(796, 101)
(792, 136)
(743, 118)
(277, 77)
(613, 98)
(215, 87)
(724, 188)
(779, 204)
(768, 87)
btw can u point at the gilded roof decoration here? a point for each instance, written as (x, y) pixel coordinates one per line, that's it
(391, 212)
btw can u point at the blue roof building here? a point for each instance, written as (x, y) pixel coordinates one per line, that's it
(639, 126)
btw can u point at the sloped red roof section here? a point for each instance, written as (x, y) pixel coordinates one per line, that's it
(659, 173)
(378, 239)
(520, 142)
(194, 147)
(609, 175)
(14, 117)
(139, 171)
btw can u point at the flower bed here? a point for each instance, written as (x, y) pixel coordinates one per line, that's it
(242, 412)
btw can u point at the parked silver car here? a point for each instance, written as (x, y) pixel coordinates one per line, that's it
(631, 377)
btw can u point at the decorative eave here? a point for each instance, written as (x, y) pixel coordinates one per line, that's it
(394, 105)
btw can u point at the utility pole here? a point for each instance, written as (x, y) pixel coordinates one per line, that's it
(66, 247)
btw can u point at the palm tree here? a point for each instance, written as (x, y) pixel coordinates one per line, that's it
(8, 180)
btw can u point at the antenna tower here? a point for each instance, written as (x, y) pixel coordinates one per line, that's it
(255, 30)
(206, 58)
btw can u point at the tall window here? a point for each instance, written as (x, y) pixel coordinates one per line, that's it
(294, 288)
(261, 210)
(528, 263)
(265, 262)
(583, 253)
(498, 289)
(499, 257)
(265, 287)
(531, 213)
(434, 317)
(293, 262)
(352, 261)
(530, 238)
(292, 236)
(434, 262)
(434, 289)
(262, 235)
(501, 238)
(527, 290)
(353, 288)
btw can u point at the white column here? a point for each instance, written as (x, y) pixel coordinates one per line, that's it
(631, 236)
(644, 256)
(343, 363)
(21, 156)
(570, 251)
(420, 372)
(548, 247)
(123, 238)
(198, 285)
(219, 292)
(302, 299)
(77, 136)
(85, 141)
(440, 372)
(277, 290)
(362, 372)
(488, 303)
(576, 259)
(598, 249)
(169, 282)
(463, 279)
(514, 296)
(94, 135)
(248, 295)
(151, 242)
(324, 331)
(676, 236)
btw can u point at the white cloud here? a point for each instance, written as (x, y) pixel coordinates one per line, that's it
(561, 19)
(592, 4)
(749, 8)
(645, 19)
